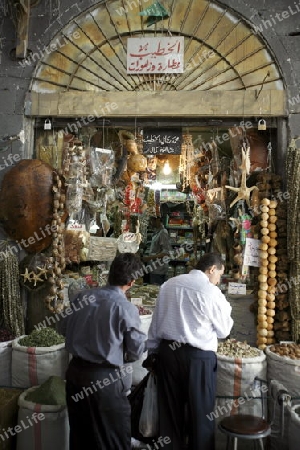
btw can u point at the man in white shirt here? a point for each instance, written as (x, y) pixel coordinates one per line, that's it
(191, 313)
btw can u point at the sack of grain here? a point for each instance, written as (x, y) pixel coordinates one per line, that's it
(235, 381)
(32, 366)
(282, 368)
(237, 392)
(41, 426)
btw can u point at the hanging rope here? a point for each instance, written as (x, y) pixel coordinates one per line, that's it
(11, 308)
(293, 233)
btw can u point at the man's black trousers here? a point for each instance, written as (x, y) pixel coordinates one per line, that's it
(186, 389)
(98, 408)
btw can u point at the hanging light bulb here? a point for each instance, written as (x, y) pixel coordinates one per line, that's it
(167, 169)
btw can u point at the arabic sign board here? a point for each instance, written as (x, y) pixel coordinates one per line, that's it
(155, 55)
(162, 141)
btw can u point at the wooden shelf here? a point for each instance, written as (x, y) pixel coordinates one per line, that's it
(179, 261)
(180, 244)
(178, 227)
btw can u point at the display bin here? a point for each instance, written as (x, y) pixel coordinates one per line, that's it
(8, 416)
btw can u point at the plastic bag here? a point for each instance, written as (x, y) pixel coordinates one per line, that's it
(136, 398)
(101, 166)
(148, 424)
(128, 242)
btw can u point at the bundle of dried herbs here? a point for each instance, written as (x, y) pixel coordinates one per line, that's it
(51, 392)
(44, 337)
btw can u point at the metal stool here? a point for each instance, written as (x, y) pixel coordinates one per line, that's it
(245, 426)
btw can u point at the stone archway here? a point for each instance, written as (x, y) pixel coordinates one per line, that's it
(228, 65)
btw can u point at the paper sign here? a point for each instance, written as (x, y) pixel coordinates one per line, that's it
(155, 55)
(76, 226)
(236, 288)
(137, 301)
(251, 253)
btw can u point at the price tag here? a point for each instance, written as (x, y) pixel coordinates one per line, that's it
(137, 301)
(236, 288)
(75, 226)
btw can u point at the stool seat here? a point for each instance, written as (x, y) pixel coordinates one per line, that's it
(244, 424)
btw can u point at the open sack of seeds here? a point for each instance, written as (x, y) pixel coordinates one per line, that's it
(237, 391)
(44, 417)
(37, 356)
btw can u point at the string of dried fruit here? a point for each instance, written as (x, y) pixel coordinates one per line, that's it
(151, 203)
(282, 326)
(267, 274)
(10, 298)
(55, 299)
(117, 220)
(186, 159)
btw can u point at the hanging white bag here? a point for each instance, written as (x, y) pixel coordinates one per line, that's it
(148, 424)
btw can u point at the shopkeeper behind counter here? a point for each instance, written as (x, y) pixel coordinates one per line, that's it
(160, 247)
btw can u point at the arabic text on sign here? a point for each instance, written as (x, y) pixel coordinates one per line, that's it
(165, 141)
(162, 139)
(155, 55)
(161, 150)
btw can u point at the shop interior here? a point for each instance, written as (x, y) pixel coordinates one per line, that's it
(102, 179)
(187, 189)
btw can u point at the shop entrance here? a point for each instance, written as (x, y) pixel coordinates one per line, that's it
(228, 106)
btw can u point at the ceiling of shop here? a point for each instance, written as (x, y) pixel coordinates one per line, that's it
(96, 61)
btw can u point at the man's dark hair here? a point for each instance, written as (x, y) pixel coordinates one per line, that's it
(122, 269)
(208, 260)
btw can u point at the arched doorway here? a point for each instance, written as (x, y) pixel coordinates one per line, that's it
(223, 58)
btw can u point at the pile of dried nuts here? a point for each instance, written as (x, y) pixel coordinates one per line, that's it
(290, 350)
(237, 349)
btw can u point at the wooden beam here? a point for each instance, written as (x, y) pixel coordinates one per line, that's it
(23, 14)
(270, 103)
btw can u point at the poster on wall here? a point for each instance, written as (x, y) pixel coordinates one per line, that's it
(155, 55)
(162, 141)
(251, 253)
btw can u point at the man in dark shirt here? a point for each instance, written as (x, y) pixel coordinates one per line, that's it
(103, 331)
(160, 247)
